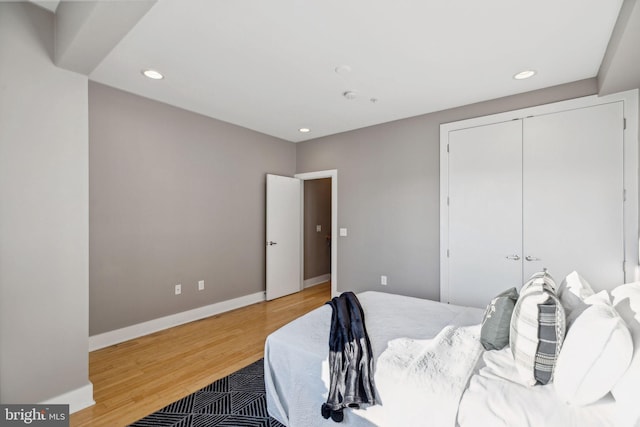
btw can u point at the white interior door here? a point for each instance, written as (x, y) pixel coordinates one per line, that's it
(573, 194)
(485, 212)
(283, 236)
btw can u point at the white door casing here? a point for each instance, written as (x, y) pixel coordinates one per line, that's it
(333, 174)
(283, 236)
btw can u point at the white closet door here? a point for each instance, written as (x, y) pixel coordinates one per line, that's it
(573, 194)
(485, 212)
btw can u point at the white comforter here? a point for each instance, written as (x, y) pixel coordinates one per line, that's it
(421, 381)
(296, 356)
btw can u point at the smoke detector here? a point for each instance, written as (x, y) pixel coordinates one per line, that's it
(350, 95)
(343, 70)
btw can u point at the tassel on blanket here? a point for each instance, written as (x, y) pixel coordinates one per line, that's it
(350, 359)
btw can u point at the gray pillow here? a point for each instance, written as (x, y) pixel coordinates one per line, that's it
(496, 323)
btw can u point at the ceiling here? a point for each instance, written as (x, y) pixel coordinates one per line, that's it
(271, 66)
(50, 5)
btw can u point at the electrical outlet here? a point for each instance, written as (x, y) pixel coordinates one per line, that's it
(178, 289)
(383, 280)
(201, 285)
(318, 228)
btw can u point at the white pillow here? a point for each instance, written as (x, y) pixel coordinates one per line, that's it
(595, 354)
(626, 300)
(572, 292)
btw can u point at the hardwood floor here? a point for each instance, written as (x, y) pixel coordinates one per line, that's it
(138, 377)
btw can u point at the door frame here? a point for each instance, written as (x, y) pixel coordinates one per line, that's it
(630, 163)
(333, 174)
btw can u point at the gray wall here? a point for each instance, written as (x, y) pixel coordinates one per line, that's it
(317, 211)
(620, 68)
(175, 197)
(388, 193)
(43, 213)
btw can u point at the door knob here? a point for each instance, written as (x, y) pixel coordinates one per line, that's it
(531, 258)
(270, 243)
(513, 257)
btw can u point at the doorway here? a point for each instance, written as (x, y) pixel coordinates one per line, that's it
(319, 234)
(316, 231)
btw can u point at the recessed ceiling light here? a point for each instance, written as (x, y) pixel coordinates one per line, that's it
(524, 74)
(153, 74)
(304, 130)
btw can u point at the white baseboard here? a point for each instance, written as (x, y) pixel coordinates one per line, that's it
(77, 399)
(117, 336)
(316, 280)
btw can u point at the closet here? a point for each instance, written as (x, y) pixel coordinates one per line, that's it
(524, 193)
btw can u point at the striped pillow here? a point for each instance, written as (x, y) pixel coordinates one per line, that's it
(537, 329)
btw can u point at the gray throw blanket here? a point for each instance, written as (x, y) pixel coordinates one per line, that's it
(350, 359)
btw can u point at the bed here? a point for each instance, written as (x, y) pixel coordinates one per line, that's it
(431, 370)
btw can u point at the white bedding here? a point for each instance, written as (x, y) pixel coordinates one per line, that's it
(421, 381)
(297, 374)
(498, 397)
(296, 356)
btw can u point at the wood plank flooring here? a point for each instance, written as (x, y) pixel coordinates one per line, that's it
(138, 377)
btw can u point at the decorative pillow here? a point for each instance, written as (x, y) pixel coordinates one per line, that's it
(626, 300)
(496, 323)
(537, 329)
(595, 353)
(572, 292)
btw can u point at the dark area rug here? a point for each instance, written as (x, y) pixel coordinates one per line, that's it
(237, 400)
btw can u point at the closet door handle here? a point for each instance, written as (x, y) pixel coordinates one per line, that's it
(531, 258)
(513, 257)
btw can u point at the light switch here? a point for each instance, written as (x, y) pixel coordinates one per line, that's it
(318, 228)
(343, 232)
